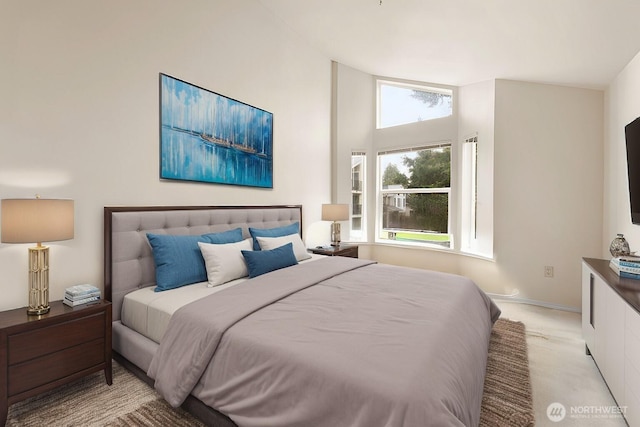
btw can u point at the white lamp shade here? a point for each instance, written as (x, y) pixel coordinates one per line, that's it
(338, 212)
(36, 220)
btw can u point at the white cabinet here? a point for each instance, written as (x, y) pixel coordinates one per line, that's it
(632, 366)
(611, 330)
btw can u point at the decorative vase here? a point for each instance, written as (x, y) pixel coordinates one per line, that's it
(619, 246)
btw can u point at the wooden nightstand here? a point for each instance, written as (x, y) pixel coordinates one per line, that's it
(38, 353)
(350, 251)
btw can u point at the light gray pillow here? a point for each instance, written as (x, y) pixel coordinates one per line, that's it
(224, 262)
(299, 250)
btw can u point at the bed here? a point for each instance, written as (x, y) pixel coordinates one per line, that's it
(325, 341)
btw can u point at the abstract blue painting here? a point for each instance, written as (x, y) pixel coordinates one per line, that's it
(208, 137)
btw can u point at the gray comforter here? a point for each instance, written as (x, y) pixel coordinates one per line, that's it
(334, 342)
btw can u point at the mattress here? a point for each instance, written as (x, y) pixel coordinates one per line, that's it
(148, 312)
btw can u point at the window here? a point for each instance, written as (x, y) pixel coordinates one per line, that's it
(414, 189)
(476, 197)
(358, 177)
(470, 193)
(400, 103)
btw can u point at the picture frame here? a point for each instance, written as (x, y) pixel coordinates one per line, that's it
(208, 137)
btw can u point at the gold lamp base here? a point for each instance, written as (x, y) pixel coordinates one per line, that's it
(38, 280)
(38, 311)
(335, 233)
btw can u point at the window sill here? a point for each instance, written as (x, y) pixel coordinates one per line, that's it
(425, 247)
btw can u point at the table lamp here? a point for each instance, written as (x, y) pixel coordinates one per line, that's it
(335, 213)
(36, 221)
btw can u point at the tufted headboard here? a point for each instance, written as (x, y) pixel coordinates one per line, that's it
(128, 261)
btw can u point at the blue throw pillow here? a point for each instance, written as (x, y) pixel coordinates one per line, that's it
(261, 262)
(178, 258)
(272, 232)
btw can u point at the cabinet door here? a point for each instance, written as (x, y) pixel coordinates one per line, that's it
(598, 320)
(608, 323)
(588, 278)
(614, 338)
(632, 367)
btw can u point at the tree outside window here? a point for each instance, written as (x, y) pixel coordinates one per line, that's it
(402, 103)
(415, 188)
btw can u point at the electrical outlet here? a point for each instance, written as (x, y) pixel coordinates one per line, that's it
(548, 271)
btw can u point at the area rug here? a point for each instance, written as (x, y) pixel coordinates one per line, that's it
(129, 402)
(156, 413)
(507, 399)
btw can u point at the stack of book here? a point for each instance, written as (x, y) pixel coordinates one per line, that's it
(81, 294)
(626, 266)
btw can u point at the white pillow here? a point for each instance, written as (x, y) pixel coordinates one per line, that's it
(300, 251)
(224, 262)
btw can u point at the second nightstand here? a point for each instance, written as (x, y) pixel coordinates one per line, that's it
(350, 251)
(38, 353)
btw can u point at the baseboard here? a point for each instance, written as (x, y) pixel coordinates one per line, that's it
(535, 302)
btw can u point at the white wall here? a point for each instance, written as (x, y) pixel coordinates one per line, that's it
(354, 122)
(622, 107)
(79, 112)
(548, 186)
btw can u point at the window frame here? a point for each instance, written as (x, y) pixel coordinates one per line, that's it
(469, 193)
(412, 86)
(362, 237)
(380, 192)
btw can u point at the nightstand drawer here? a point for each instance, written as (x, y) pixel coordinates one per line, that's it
(37, 372)
(32, 344)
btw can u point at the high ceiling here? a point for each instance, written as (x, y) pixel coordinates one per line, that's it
(583, 43)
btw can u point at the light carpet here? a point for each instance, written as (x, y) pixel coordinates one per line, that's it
(130, 402)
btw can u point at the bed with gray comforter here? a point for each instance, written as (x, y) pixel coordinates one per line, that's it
(333, 342)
